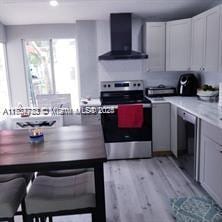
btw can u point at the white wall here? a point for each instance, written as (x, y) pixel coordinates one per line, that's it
(213, 78)
(15, 35)
(87, 56)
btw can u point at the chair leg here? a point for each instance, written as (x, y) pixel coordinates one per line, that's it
(43, 219)
(50, 219)
(33, 178)
(29, 218)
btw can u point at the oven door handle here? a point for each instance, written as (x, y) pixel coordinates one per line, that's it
(148, 105)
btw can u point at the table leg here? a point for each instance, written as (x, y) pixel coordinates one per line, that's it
(24, 213)
(100, 214)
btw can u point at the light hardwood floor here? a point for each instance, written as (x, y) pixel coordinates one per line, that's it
(140, 190)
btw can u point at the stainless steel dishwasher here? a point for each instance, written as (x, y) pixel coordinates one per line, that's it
(188, 152)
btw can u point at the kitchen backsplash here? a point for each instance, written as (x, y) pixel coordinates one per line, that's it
(130, 73)
(213, 78)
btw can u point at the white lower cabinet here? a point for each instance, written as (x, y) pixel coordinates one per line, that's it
(91, 119)
(211, 162)
(161, 127)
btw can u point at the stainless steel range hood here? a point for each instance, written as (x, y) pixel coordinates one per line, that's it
(121, 39)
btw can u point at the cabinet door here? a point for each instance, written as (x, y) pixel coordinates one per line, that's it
(178, 45)
(198, 42)
(173, 131)
(91, 119)
(212, 168)
(212, 42)
(155, 37)
(161, 126)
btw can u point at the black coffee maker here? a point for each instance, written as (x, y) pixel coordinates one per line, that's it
(187, 85)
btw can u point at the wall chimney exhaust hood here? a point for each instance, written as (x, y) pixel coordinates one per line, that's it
(121, 39)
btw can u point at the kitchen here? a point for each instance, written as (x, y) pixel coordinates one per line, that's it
(150, 57)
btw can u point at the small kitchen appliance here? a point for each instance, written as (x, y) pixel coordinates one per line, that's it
(160, 90)
(187, 85)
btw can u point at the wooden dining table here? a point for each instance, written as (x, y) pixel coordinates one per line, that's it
(63, 148)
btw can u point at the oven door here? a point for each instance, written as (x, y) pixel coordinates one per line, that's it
(127, 143)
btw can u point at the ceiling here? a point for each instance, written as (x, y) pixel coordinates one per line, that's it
(18, 12)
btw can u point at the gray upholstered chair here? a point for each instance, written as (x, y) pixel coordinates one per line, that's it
(26, 176)
(56, 196)
(12, 193)
(12, 176)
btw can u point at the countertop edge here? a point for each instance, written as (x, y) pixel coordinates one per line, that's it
(216, 123)
(198, 115)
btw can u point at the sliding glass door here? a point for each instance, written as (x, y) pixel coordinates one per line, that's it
(51, 68)
(4, 93)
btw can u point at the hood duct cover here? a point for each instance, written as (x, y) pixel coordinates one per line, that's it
(121, 39)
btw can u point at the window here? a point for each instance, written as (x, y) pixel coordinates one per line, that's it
(4, 95)
(51, 68)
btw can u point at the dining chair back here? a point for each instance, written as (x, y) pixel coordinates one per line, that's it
(12, 194)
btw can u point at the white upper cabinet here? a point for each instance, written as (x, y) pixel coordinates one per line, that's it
(206, 41)
(187, 44)
(212, 39)
(198, 42)
(154, 43)
(178, 45)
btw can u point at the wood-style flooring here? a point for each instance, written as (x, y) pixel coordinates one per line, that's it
(140, 191)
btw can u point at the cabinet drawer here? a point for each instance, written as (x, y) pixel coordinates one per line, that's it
(212, 132)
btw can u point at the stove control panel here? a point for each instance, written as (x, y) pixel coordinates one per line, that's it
(122, 85)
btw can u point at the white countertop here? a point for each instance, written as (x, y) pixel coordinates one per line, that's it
(156, 100)
(90, 102)
(207, 111)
